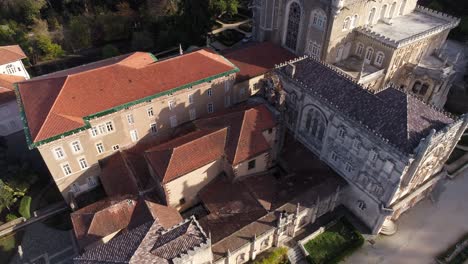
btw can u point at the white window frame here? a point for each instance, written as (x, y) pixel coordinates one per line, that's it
(150, 112)
(134, 135)
(94, 131)
(346, 23)
(72, 146)
(209, 92)
(171, 104)
(334, 156)
(210, 106)
(111, 125)
(369, 55)
(86, 165)
(102, 129)
(154, 128)
(130, 119)
(57, 157)
(98, 149)
(356, 144)
(379, 58)
(349, 167)
(360, 49)
(192, 113)
(341, 132)
(64, 167)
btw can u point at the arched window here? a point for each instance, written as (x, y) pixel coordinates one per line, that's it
(315, 124)
(379, 58)
(371, 18)
(318, 19)
(359, 49)
(339, 53)
(424, 89)
(314, 49)
(383, 12)
(392, 10)
(241, 258)
(294, 20)
(346, 23)
(10, 69)
(402, 8)
(354, 21)
(369, 54)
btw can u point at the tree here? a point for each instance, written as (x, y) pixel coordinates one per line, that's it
(109, 51)
(194, 21)
(80, 32)
(220, 7)
(22, 10)
(7, 196)
(46, 49)
(231, 7)
(142, 40)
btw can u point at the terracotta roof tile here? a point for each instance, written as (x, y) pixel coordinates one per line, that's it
(11, 54)
(257, 59)
(116, 178)
(7, 88)
(89, 89)
(187, 153)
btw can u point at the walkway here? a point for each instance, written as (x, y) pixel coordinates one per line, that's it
(425, 231)
(218, 45)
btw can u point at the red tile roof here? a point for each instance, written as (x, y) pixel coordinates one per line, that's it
(11, 54)
(58, 102)
(7, 92)
(116, 177)
(257, 59)
(187, 153)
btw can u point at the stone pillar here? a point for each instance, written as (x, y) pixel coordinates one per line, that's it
(253, 252)
(335, 199)
(228, 257)
(315, 210)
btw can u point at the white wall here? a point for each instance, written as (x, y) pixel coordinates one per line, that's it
(18, 68)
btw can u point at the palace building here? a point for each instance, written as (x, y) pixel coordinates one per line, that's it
(374, 42)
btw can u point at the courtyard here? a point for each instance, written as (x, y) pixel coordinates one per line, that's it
(425, 231)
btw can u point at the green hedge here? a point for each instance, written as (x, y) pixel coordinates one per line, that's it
(10, 217)
(337, 242)
(25, 206)
(277, 256)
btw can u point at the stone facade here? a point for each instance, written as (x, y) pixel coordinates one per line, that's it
(385, 178)
(367, 40)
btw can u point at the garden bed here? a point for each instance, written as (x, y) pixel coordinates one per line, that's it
(334, 244)
(273, 256)
(229, 37)
(246, 27)
(227, 19)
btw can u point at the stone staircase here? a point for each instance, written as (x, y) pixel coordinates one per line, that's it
(295, 255)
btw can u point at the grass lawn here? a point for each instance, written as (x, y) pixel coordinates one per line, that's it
(229, 37)
(337, 242)
(273, 256)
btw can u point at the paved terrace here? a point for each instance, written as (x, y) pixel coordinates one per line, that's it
(240, 211)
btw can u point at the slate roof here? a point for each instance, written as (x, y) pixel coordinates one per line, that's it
(57, 103)
(396, 116)
(10, 54)
(182, 155)
(255, 59)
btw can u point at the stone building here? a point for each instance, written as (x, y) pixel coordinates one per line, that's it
(374, 42)
(389, 145)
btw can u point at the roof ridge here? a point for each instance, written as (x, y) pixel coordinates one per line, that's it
(11, 46)
(240, 134)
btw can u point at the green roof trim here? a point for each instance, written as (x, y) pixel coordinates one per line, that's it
(152, 56)
(86, 119)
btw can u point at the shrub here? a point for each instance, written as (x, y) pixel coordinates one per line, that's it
(109, 51)
(10, 217)
(277, 256)
(25, 206)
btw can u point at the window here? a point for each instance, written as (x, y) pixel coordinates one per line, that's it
(134, 135)
(173, 121)
(182, 201)
(314, 49)
(373, 155)
(346, 23)
(91, 182)
(10, 69)
(292, 30)
(354, 21)
(388, 167)
(379, 58)
(341, 133)
(251, 165)
(357, 144)
(369, 54)
(154, 128)
(210, 92)
(334, 156)
(102, 129)
(76, 146)
(171, 105)
(349, 167)
(109, 126)
(240, 259)
(242, 91)
(130, 119)
(371, 18)
(359, 49)
(383, 12)
(210, 108)
(94, 132)
(402, 8)
(227, 101)
(339, 53)
(190, 99)
(59, 153)
(83, 163)
(66, 169)
(361, 205)
(75, 187)
(318, 19)
(150, 112)
(392, 10)
(227, 86)
(100, 148)
(192, 114)
(115, 147)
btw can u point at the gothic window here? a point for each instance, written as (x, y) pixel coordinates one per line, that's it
(392, 10)
(369, 55)
(10, 69)
(361, 205)
(360, 49)
(294, 21)
(379, 58)
(402, 8)
(371, 18)
(420, 88)
(314, 49)
(315, 124)
(346, 23)
(383, 12)
(318, 19)
(424, 89)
